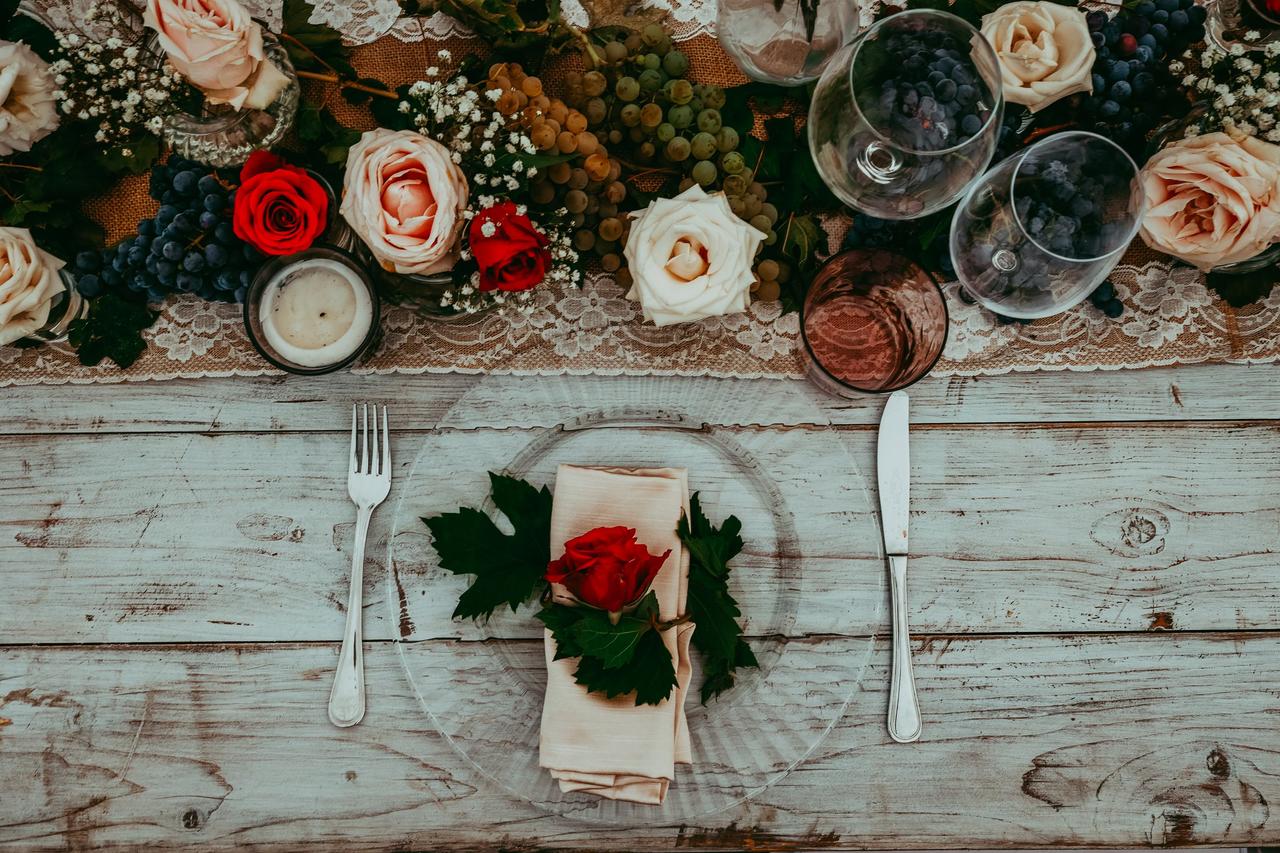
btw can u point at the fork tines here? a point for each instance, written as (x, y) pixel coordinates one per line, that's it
(379, 463)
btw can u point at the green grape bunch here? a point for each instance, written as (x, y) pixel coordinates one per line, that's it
(665, 129)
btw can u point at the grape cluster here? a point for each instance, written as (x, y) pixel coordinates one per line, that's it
(931, 96)
(189, 246)
(636, 98)
(924, 241)
(1132, 88)
(586, 185)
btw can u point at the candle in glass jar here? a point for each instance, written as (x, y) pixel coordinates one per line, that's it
(316, 312)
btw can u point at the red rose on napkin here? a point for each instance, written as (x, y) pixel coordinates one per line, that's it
(279, 209)
(606, 568)
(511, 253)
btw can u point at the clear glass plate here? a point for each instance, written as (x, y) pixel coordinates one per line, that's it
(810, 582)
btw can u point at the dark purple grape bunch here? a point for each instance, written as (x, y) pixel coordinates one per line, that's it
(1063, 205)
(1132, 88)
(189, 246)
(930, 96)
(903, 236)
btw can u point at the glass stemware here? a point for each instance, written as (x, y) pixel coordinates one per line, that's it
(872, 322)
(786, 42)
(1041, 230)
(907, 116)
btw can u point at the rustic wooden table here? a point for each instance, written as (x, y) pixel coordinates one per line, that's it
(1094, 593)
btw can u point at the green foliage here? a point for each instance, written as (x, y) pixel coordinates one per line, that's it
(614, 659)
(522, 27)
(718, 635)
(315, 48)
(44, 189)
(113, 329)
(325, 139)
(508, 568)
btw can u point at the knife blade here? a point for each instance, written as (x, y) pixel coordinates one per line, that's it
(893, 475)
(893, 472)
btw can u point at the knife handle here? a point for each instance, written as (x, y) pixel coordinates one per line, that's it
(904, 709)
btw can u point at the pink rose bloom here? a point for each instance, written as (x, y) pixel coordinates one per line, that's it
(1213, 200)
(218, 48)
(403, 196)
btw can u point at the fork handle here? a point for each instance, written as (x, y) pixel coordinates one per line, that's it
(346, 700)
(904, 709)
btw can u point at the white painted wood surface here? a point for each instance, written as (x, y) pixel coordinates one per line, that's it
(1094, 591)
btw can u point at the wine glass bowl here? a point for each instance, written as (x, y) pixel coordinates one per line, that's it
(872, 322)
(1040, 231)
(907, 116)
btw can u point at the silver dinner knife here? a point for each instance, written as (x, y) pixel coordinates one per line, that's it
(893, 473)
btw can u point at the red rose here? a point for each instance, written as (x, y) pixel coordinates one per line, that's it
(511, 253)
(261, 160)
(606, 568)
(279, 209)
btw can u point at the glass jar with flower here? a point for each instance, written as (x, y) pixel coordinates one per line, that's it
(247, 91)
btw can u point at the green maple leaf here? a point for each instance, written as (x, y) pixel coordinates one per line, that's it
(561, 620)
(615, 645)
(508, 568)
(650, 673)
(615, 660)
(718, 636)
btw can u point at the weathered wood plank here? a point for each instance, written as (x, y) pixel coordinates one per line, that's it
(241, 537)
(1230, 392)
(1029, 741)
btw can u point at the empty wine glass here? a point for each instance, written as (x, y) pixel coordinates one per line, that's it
(907, 116)
(786, 42)
(1040, 231)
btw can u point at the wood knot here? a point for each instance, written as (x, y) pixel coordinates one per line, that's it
(192, 819)
(1161, 620)
(1132, 532)
(1219, 766)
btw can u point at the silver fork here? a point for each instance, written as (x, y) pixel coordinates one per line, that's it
(368, 482)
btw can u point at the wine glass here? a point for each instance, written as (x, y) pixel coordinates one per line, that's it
(907, 116)
(1040, 231)
(872, 322)
(785, 42)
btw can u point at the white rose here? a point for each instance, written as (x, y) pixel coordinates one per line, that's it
(28, 112)
(29, 281)
(1044, 50)
(690, 257)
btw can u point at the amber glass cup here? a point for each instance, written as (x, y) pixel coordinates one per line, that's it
(873, 322)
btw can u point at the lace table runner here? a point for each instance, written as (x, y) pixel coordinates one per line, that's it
(1170, 317)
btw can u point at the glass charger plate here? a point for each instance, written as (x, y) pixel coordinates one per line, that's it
(810, 581)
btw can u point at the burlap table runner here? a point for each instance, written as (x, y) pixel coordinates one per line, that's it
(1170, 317)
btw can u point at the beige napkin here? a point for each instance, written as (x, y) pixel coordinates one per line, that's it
(613, 747)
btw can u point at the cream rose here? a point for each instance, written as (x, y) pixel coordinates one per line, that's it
(29, 281)
(28, 111)
(404, 196)
(1044, 50)
(218, 48)
(1212, 200)
(690, 257)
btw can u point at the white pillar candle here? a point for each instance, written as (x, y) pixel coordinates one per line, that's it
(316, 312)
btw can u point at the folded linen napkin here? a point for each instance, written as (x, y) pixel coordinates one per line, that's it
(613, 747)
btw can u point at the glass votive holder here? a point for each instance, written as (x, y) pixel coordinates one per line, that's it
(222, 136)
(314, 312)
(872, 322)
(64, 309)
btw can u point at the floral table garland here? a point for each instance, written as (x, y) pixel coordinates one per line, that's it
(333, 138)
